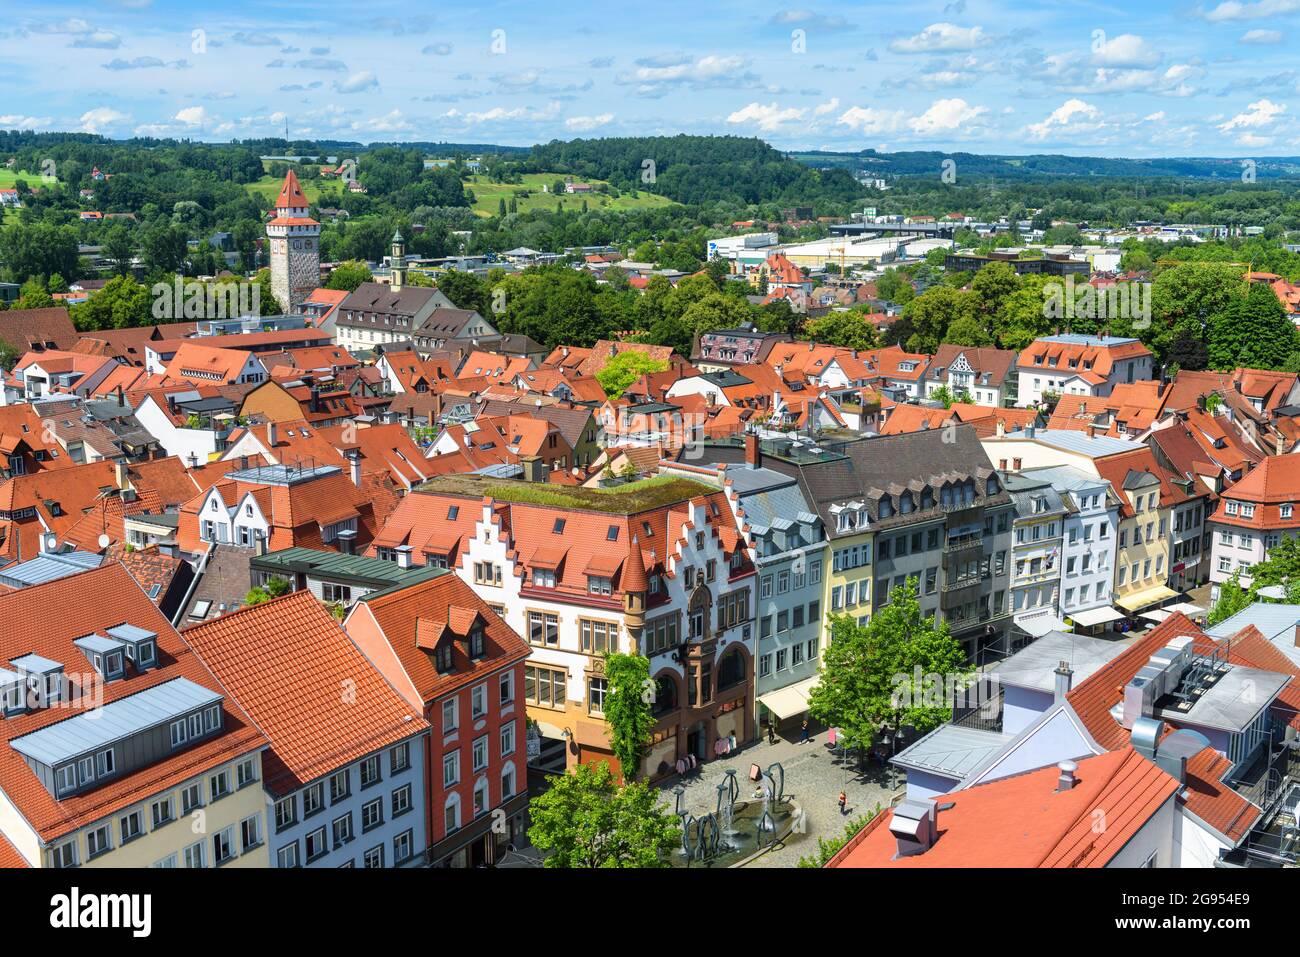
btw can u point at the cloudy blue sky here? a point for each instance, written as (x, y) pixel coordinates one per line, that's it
(1096, 78)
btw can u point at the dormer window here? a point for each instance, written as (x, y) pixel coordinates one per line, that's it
(1285, 510)
(442, 658)
(1231, 508)
(476, 642)
(598, 585)
(544, 577)
(886, 506)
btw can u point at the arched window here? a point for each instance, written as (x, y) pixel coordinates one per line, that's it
(731, 670)
(665, 696)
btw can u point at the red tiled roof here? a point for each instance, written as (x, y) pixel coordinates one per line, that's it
(1024, 821)
(88, 602)
(400, 614)
(284, 662)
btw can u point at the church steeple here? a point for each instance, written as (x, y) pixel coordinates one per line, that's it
(398, 261)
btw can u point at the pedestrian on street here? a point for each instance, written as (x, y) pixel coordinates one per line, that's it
(844, 799)
(803, 731)
(771, 732)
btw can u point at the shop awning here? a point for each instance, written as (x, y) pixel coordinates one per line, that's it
(1157, 616)
(1146, 598)
(1186, 608)
(1096, 616)
(1039, 625)
(790, 700)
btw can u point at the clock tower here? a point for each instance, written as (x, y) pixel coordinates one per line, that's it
(294, 239)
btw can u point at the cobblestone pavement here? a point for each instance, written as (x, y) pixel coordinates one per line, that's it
(813, 780)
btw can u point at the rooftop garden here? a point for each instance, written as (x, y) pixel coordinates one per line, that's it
(626, 499)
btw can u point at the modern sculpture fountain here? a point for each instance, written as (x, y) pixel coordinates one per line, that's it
(735, 829)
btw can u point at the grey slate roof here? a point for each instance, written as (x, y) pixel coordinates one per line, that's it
(952, 751)
(1276, 622)
(61, 742)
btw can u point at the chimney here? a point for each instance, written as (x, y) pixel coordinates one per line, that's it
(120, 474)
(1067, 779)
(354, 466)
(1064, 680)
(1001, 431)
(121, 398)
(1030, 431)
(534, 468)
(914, 825)
(753, 454)
(260, 544)
(403, 556)
(272, 434)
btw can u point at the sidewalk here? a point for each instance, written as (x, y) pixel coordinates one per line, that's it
(814, 777)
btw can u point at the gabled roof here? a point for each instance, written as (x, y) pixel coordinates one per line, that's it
(27, 329)
(1024, 821)
(400, 612)
(284, 662)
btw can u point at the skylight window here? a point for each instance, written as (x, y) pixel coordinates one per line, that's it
(559, 526)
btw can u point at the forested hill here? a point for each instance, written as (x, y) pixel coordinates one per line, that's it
(927, 163)
(696, 169)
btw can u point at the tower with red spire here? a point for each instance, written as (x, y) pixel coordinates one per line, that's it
(294, 239)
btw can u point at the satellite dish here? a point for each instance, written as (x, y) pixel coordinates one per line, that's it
(104, 541)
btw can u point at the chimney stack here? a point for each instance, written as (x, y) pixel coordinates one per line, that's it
(1064, 680)
(914, 825)
(272, 434)
(403, 556)
(1067, 779)
(354, 466)
(753, 454)
(120, 474)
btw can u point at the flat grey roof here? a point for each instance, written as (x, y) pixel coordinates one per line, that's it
(1277, 623)
(34, 664)
(952, 751)
(1072, 441)
(132, 633)
(98, 643)
(1034, 666)
(59, 743)
(1231, 703)
(49, 567)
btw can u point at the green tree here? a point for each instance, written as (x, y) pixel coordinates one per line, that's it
(1232, 599)
(585, 819)
(932, 312)
(34, 295)
(118, 248)
(968, 331)
(943, 395)
(122, 303)
(869, 675)
(627, 709)
(349, 275)
(847, 329)
(620, 372)
(274, 588)
(1254, 332)
(992, 285)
